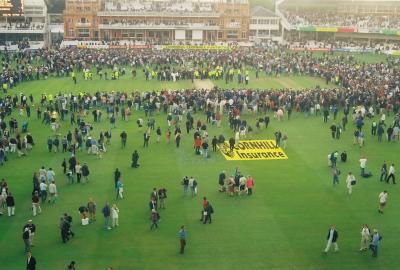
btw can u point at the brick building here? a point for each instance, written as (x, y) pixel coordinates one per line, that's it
(157, 21)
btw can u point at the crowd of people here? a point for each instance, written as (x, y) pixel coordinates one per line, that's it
(323, 17)
(362, 91)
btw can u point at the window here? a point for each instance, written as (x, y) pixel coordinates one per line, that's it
(244, 35)
(83, 32)
(220, 35)
(253, 21)
(232, 34)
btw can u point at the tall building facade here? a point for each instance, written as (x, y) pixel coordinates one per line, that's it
(157, 21)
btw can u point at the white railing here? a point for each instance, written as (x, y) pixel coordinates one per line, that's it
(158, 27)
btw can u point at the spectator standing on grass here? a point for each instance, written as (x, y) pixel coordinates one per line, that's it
(182, 239)
(107, 215)
(332, 237)
(383, 196)
(250, 185)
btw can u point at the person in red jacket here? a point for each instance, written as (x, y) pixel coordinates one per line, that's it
(204, 206)
(197, 145)
(250, 185)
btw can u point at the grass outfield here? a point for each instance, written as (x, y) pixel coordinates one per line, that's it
(282, 226)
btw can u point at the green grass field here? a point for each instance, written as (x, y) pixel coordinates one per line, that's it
(282, 226)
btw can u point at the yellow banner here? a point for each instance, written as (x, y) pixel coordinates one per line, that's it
(195, 47)
(326, 29)
(252, 150)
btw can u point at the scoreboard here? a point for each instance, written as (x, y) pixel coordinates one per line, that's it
(11, 7)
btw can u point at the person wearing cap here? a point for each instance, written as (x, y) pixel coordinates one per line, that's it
(376, 238)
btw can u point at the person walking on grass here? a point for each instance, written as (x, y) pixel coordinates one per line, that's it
(376, 238)
(365, 237)
(391, 174)
(10, 202)
(107, 215)
(25, 237)
(332, 237)
(384, 172)
(36, 209)
(182, 239)
(30, 261)
(52, 192)
(350, 181)
(32, 231)
(154, 218)
(208, 211)
(336, 173)
(383, 196)
(162, 195)
(91, 205)
(115, 215)
(120, 189)
(85, 172)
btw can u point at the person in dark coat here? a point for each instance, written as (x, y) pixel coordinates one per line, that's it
(208, 211)
(85, 172)
(135, 159)
(117, 175)
(332, 237)
(30, 262)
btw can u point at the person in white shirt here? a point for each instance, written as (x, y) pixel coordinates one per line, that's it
(43, 190)
(78, 170)
(52, 192)
(114, 215)
(391, 174)
(382, 201)
(365, 237)
(363, 164)
(350, 181)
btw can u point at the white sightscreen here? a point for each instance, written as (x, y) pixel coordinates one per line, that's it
(180, 34)
(197, 34)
